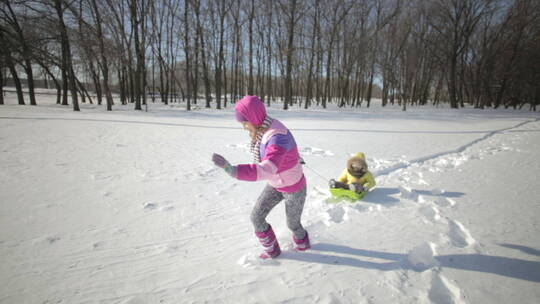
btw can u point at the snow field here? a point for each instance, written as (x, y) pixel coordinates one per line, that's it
(430, 204)
(126, 207)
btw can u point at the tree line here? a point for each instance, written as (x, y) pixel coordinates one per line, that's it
(484, 53)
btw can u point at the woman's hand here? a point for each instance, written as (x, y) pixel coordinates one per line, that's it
(221, 162)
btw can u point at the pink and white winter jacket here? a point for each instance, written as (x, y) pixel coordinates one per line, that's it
(280, 160)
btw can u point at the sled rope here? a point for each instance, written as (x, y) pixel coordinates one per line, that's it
(317, 173)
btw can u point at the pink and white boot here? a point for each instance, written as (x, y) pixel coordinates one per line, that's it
(302, 244)
(269, 242)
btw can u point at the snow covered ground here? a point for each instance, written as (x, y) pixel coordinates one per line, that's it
(126, 207)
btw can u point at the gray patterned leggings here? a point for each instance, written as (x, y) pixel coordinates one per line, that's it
(294, 204)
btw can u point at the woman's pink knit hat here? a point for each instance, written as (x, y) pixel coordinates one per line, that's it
(250, 108)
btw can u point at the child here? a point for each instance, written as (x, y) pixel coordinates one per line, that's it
(276, 160)
(356, 176)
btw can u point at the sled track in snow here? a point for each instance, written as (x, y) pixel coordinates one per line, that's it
(460, 149)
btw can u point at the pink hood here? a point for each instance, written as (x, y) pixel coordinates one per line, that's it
(252, 109)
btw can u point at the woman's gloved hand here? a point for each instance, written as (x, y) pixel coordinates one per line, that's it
(221, 162)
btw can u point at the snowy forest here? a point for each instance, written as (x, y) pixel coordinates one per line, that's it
(480, 53)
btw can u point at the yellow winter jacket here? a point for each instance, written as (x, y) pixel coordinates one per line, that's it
(367, 180)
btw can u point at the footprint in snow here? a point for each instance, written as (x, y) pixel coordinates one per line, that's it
(408, 193)
(149, 206)
(207, 171)
(242, 146)
(422, 257)
(250, 260)
(101, 176)
(166, 208)
(443, 291)
(459, 235)
(430, 213)
(156, 206)
(335, 214)
(169, 249)
(445, 202)
(305, 151)
(52, 239)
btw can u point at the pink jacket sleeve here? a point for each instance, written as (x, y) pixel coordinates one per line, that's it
(263, 170)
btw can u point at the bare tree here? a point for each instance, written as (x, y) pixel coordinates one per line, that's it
(2, 79)
(237, 22)
(203, 51)
(221, 9)
(187, 52)
(339, 11)
(465, 52)
(23, 41)
(315, 33)
(294, 11)
(68, 75)
(137, 13)
(268, 49)
(6, 53)
(251, 18)
(456, 21)
(104, 64)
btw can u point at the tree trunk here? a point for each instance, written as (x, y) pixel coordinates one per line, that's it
(220, 59)
(30, 79)
(290, 52)
(204, 62)
(68, 74)
(141, 60)
(225, 97)
(452, 83)
(72, 83)
(16, 80)
(1, 81)
(137, 77)
(97, 82)
(269, 92)
(188, 54)
(318, 69)
(55, 80)
(26, 52)
(309, 84)
(83, 91)
(165, 84)
(251, 17)
(122, 84)
(6, 52)
(104, 60)
(131, 82)
(195, 73)
(370, 84)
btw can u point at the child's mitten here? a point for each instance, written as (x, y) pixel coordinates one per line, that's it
(356, 188)
(221, 162)
(332, 183)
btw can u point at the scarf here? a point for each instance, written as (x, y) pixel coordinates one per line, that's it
(256, 142)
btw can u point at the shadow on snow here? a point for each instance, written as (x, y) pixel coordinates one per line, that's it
(503, 266)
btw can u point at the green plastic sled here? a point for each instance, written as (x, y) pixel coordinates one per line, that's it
(348, 194)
